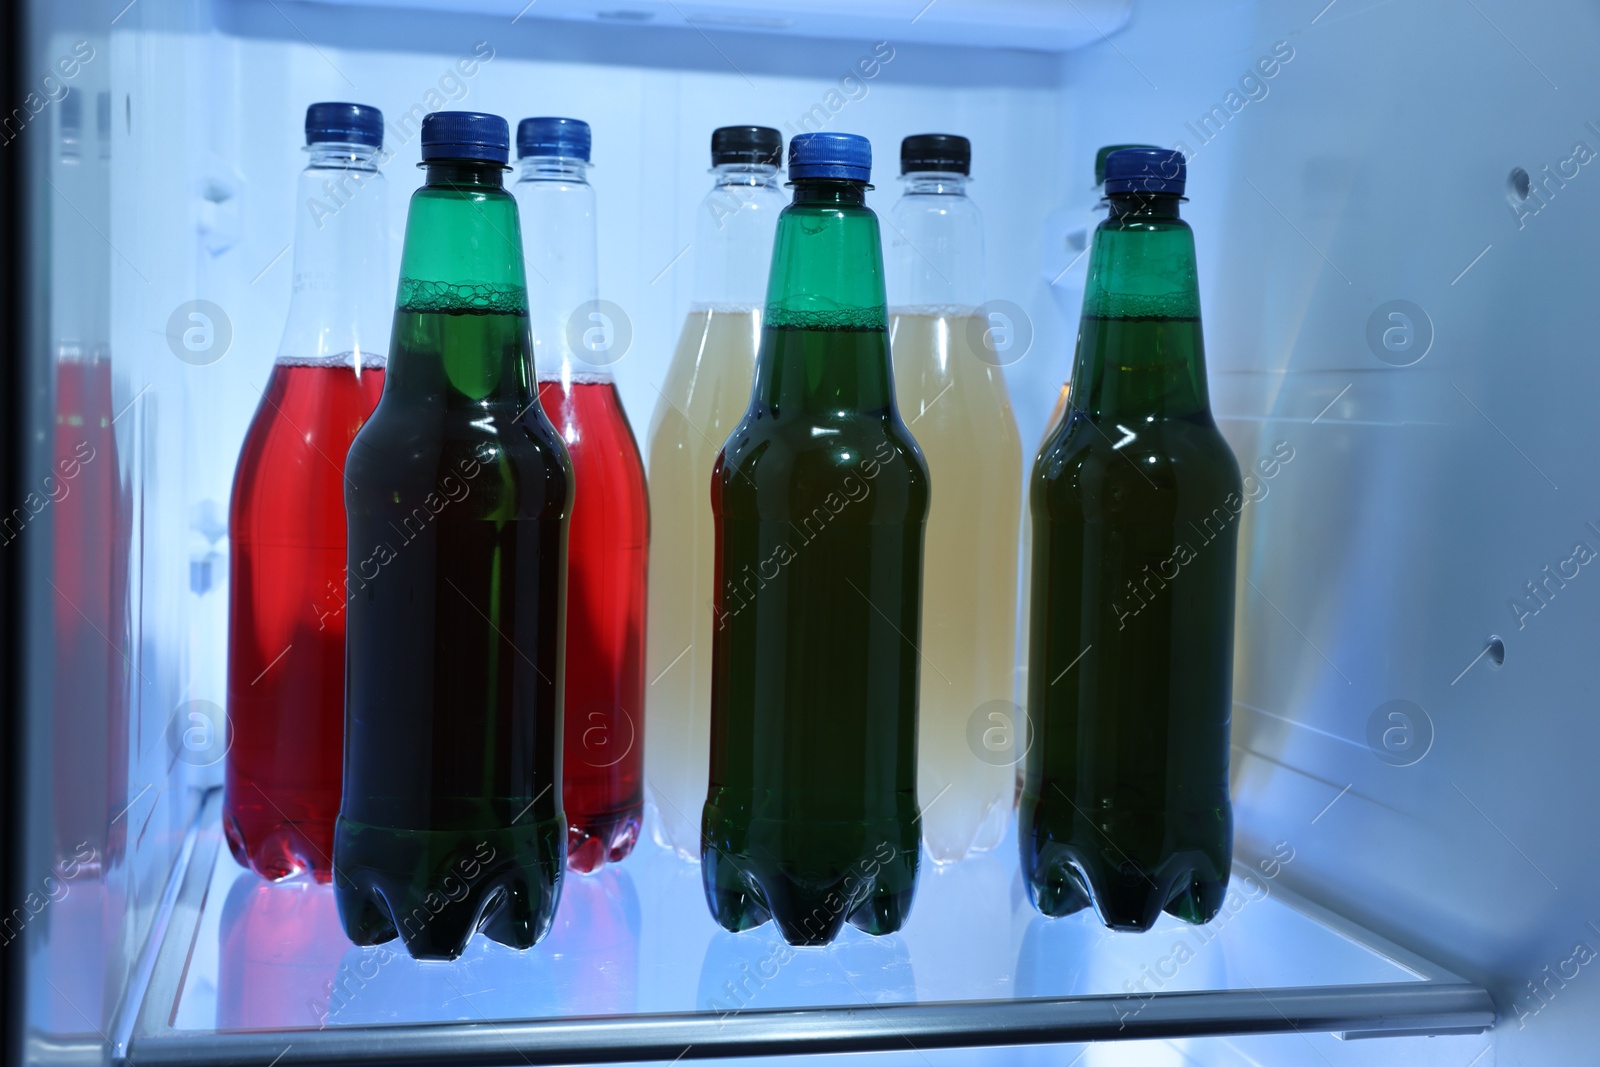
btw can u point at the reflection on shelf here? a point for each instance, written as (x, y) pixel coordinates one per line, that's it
(636, 938)
(280, 947)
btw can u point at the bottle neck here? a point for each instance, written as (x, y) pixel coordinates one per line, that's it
(464, 173)
(733, 235)
(463, 303)
(339, 313)
(827, 259)
(824, 348)
(570, 333)
(462, 231)
(828, 191)
(1142, 205)
(935, 256)
(1140, 349)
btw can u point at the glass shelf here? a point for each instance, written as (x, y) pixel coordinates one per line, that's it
(248, 972)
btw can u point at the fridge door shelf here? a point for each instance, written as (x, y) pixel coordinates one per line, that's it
(241, 971)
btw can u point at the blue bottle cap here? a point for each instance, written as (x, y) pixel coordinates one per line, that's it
(1146, 170)
(344, 124)
(846, 156)
(1101, 156)
(465, 135)
(550, 136)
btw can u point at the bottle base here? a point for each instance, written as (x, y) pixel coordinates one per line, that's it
(1065, 877)
(868, 883)
(435, 888)
(283, 851)
(602, 839)
(948, 843)
(680, 841)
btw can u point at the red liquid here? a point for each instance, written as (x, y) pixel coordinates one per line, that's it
(603, 752)
(286, 619)
(80, 506)
(89, 570)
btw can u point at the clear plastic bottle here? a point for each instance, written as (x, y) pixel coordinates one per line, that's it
(956, 404)
(286, 625)
(575, 341)
(706, 392)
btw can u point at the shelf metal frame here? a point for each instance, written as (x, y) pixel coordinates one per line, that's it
(1437, 1004)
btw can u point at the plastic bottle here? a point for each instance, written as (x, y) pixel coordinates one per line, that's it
(286, 626)
(574, 342)
(820, 498)
(957, 404)
(458, 491)
(1134, 503)
(705, 394)
(1067, 287)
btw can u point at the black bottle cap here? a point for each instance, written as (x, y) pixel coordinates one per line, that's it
(746, 144)
(947, 152)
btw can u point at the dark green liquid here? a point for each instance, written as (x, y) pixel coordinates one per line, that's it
(456, 500)
(820, 499)
(1125, 803)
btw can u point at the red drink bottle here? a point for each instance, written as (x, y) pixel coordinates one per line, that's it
(574, 341)
(287, 519)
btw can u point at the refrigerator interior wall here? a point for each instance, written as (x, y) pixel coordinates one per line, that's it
(1372, 166)
(121, 688)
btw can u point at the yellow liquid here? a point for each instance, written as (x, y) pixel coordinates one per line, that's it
(705, 395)
(957, 408)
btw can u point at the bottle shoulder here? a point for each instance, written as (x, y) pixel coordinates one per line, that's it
(305, 412)
(1107, 468)
(460, 191)
(778, 464)
(822, 433)
(505, 463)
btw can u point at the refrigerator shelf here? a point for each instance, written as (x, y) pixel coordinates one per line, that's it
(241, 971)
(1034, 25)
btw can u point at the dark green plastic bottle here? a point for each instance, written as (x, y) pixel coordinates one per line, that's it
(1135, 501)
(457, 495)
(820, 498)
